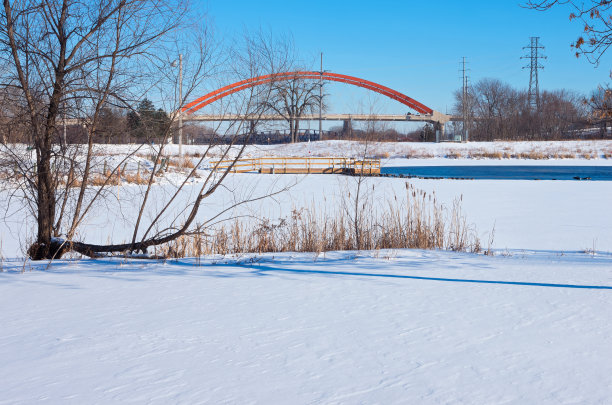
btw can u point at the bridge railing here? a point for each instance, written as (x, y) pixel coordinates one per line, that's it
(299, 165)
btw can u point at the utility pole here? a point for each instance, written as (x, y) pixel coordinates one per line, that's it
(180, 117)
(534, 65)
(321, 101)
(465, 111)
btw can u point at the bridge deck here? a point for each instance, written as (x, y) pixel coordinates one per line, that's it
(300, 165)
(435, 117)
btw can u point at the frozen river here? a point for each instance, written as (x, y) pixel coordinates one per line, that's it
(601, 173)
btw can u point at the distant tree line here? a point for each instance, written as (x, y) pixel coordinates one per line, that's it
(143, 124)
(496, 110)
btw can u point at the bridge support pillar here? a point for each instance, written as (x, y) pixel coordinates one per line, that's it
(439, 131)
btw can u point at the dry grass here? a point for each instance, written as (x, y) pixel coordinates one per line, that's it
(185, 163)
(410, 153)
(100, 180)
(564, 155)
(137, 178)
(454, 154)
(109, 179)
(532, 154)
(485, 154)
(541, 153)
(382, 155)
(418, 222)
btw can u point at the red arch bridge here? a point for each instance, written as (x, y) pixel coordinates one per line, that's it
(423, 113)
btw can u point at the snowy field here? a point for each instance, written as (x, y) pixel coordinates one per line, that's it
(390, 327)
(527, 325)
(598, 150)
(583, 150)
(534, 215)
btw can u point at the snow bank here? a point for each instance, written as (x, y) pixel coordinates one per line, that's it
(390, 327)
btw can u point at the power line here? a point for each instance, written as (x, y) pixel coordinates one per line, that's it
(534, 66)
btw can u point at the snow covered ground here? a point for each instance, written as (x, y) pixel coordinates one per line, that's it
(543, 215)
(528, 325)
(598, 150)
(584, 150)
(389, 327)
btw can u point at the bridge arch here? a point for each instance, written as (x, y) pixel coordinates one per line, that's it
(285, 76)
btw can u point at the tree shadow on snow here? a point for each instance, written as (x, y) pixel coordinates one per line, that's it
(340, 264)
(260, 269)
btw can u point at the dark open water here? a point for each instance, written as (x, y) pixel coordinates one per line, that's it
(601, 173)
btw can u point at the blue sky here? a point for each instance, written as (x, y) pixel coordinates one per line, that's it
(415, 46)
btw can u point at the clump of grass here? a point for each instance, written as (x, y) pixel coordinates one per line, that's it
(185, 163)
(564, 155)
(137, 178)
(485, 154)
(110, 179)
(100, 180)
(454, 154)
(382, 155)
(532, 154)
(97, 180)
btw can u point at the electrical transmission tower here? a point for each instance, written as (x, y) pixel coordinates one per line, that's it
(465, 99)
(534, 66)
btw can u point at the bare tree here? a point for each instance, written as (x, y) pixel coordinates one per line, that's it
(72, 52)
(560, 112)
(600, 103)
(358, 204)
(75, 59)
(596, 17)
(494, 102)
(291, 99)
(499, 111)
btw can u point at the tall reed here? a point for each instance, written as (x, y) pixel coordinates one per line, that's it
(418, 221)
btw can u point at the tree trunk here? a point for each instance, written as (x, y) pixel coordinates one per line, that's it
(45, 186)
